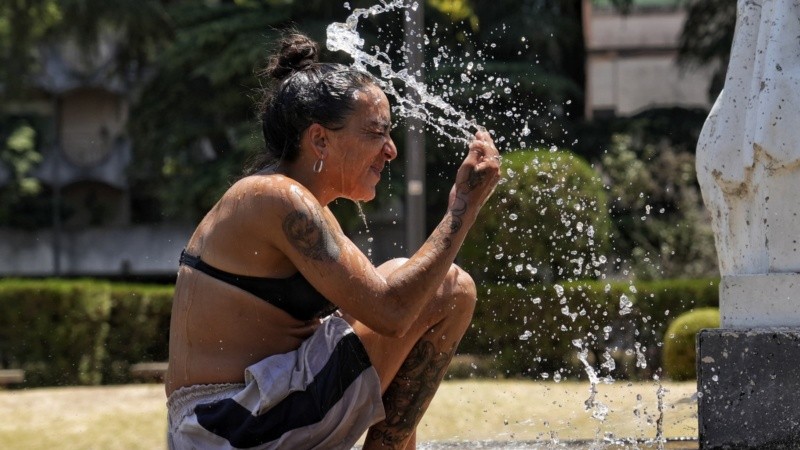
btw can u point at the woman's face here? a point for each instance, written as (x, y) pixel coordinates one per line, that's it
(363, 146)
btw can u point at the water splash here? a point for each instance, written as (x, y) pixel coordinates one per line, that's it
(416, 99)
(660, 393)
(599, 410)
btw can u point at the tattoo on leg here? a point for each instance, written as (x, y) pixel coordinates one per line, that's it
(310, 235)
(410, 392)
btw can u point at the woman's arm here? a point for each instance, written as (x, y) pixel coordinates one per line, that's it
(343, 274)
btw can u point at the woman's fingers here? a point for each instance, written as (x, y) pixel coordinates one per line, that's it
(484, 145)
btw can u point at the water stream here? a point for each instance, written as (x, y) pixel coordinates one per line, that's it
(416, 100)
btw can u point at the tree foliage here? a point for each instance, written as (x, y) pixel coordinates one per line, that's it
(193, 123)
(23, 200)
(23, 24)
(707, 36)
(661, 228)
(135, 27)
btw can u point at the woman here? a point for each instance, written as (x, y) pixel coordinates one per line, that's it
(283, 334)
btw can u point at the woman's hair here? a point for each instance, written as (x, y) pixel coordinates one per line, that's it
(301, 92)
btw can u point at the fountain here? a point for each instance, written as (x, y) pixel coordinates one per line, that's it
(748, 158)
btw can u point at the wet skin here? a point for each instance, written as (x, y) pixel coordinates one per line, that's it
(409, 314)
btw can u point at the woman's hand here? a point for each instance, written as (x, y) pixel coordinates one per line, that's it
(477, 176)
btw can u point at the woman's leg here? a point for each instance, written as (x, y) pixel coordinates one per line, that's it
(410, 368)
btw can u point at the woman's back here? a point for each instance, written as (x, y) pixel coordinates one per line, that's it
(218, 329)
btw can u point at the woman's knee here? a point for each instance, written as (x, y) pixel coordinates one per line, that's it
(391, 265)
(460, 289)
(457, 291)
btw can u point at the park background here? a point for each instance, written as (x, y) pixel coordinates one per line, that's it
(121, 123)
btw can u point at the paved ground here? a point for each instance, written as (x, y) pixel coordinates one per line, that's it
(465, 414)
(576, 445)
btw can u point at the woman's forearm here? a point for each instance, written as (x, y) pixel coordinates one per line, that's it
(416, 281)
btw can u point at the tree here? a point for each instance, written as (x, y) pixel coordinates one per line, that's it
(515, 67)
(134, 26)
(19, 157)
(707, 36)
(23, 24)
(185, 163)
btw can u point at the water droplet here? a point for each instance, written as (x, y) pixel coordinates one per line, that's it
(624, 305)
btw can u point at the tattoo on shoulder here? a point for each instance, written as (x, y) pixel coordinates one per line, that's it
(309, 234)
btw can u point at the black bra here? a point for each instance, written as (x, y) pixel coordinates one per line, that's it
(294, 294)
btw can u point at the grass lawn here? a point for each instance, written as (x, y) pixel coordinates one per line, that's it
(134, 416)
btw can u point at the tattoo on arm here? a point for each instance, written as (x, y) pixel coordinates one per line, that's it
(410, 393)
(310, 235)
(451, 226)
(475, 179)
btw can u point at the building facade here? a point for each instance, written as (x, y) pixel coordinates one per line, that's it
(631, 60)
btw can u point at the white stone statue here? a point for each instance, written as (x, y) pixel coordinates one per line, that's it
(748, 166)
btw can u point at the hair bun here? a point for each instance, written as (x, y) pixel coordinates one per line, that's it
(296, 52)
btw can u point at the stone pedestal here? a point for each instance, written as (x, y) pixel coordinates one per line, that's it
(749, 388)
(748, 374)
(758, 301)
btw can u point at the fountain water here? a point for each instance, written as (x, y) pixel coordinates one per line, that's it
(417, 100)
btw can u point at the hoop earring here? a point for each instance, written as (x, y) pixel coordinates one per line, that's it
(317, 168)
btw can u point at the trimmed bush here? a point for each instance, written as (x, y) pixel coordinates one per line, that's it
(548, 221)
(55, 330)
(138, 328)
(81, 332)
(679, 342)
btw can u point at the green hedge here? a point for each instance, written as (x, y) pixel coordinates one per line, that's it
(81, 332)
(54, 330)
(529, 331)
(138, 328)
(90, 332)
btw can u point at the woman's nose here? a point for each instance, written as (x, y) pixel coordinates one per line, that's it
(390, 150)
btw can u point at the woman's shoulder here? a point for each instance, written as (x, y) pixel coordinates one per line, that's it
(273, 189)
